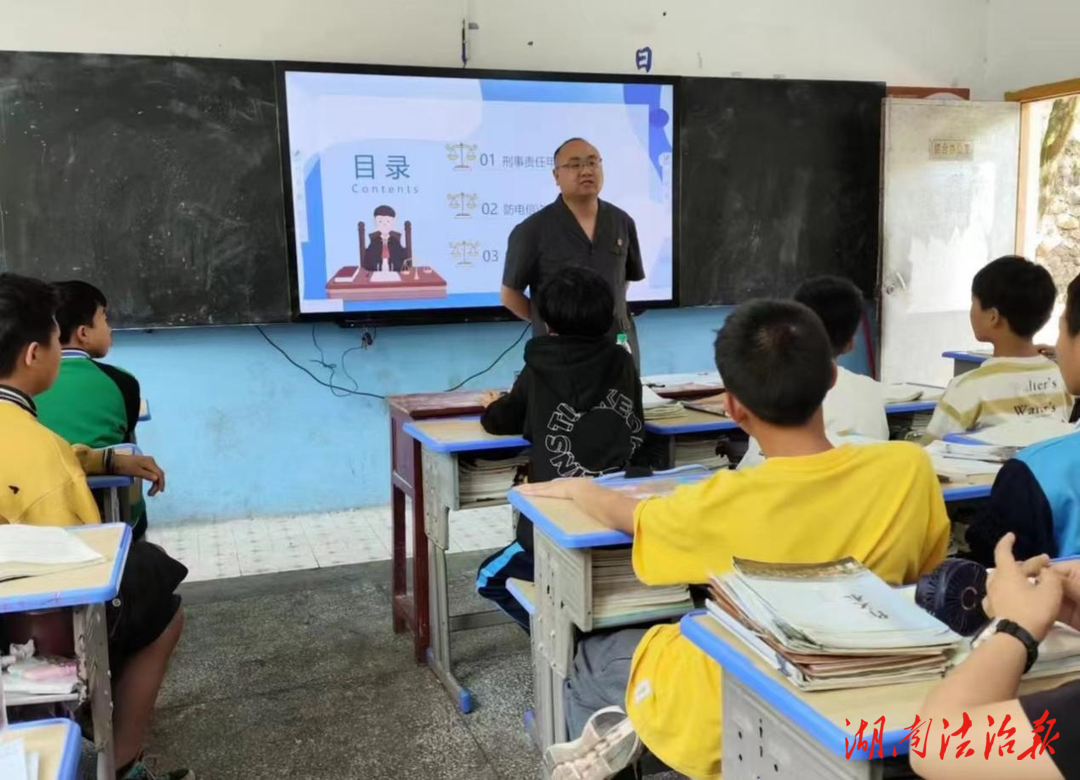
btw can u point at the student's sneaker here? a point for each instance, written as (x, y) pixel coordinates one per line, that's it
(608, 745)
(139, 771)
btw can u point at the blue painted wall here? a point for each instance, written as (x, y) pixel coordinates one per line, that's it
(241, 432)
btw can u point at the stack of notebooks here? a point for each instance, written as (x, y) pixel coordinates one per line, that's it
(618, 593)
(831, 625)
(32, 551)
(966, 462)
(483, 479)
(658, 408)
(701, 452)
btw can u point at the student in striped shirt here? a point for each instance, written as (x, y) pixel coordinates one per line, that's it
(1011, 299)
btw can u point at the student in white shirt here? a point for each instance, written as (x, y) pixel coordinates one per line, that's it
(856, 404)
(1011, 299)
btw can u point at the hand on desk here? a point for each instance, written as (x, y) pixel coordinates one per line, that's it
(141, 467)
(488, 397)
(560, 488)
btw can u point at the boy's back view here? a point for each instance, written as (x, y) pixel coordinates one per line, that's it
(578, 400)
(808, 502)
(90, 403)
(855, 405)
(1011, 299)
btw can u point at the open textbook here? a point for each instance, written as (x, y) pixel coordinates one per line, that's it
(658, 408)
(831, 625)
(31, 551)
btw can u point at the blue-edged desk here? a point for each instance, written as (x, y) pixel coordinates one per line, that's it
(562, 551)
(666, 435)
(772, 729)
(965, 360)
(442, 442)
(86, 592)
(57, 743)
(144, 410)
(115, 488)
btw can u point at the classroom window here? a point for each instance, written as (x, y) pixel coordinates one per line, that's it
(1050, 190)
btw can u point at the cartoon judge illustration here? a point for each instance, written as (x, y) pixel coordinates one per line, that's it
(385, 252)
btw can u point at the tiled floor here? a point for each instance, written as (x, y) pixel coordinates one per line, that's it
(235, 548)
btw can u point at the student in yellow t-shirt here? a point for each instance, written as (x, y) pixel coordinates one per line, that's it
(808, 502)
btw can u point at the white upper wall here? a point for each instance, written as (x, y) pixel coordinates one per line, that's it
(918, 42)
(1031, 42)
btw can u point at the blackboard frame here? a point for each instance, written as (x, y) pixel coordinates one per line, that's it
(443, 316)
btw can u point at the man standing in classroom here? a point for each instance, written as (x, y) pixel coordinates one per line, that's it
(577, 229)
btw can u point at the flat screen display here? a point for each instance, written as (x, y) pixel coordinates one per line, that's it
(405, 187)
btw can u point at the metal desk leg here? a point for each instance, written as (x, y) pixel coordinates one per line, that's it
(398, 563)
(759, 742)
(437, 471)
(438, 655)
(92, 650)
(559, 574)
(112, 505)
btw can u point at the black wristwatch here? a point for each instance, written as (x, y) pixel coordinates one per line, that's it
(1016, 630)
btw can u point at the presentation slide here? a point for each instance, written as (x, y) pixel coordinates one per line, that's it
(405, 188)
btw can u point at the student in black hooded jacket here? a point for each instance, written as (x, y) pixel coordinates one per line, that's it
(578, 400)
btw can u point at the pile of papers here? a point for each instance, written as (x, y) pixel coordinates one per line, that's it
(831, 625)
(965, 462)
(657, 408)
(905, 392)
(700, 452)
(1023, 432)
(617, 592)
(484, 479)
(31, 551)
(40, 676)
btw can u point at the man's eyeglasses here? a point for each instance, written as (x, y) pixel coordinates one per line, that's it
(577, 166)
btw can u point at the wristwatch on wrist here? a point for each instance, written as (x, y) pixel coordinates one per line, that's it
(1018, 632)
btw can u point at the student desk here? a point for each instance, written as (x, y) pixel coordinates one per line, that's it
(115, 487)
(965, 360)
(562, 549)
(57, 743)
(407, 483)
(144, 410)
(665, 435)
(85, 591)
(772, 729)
(442, 442)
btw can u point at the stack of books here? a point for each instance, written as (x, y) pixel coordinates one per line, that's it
(700, 452)
(618, 593)
(831, 625)
(965, 462)
(489, 479)
(657, 408)
(713, 404)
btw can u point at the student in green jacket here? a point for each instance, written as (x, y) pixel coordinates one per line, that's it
(91, 403)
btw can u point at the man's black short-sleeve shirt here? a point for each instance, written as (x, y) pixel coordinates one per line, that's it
(552, 238)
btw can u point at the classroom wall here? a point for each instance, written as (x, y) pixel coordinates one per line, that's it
(1030, 43)
(920, 42)
(240, 431)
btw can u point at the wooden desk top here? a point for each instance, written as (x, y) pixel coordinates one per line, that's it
(822, 713)
(459, 434)
(75, 587)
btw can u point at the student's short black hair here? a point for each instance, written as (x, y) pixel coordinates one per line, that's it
(1072, 308)
(76, 304)
(559, 148)
(384, 211)
(27, 309)
(1021, 291)
(839, 304)
(576, 301)
(775, 357)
